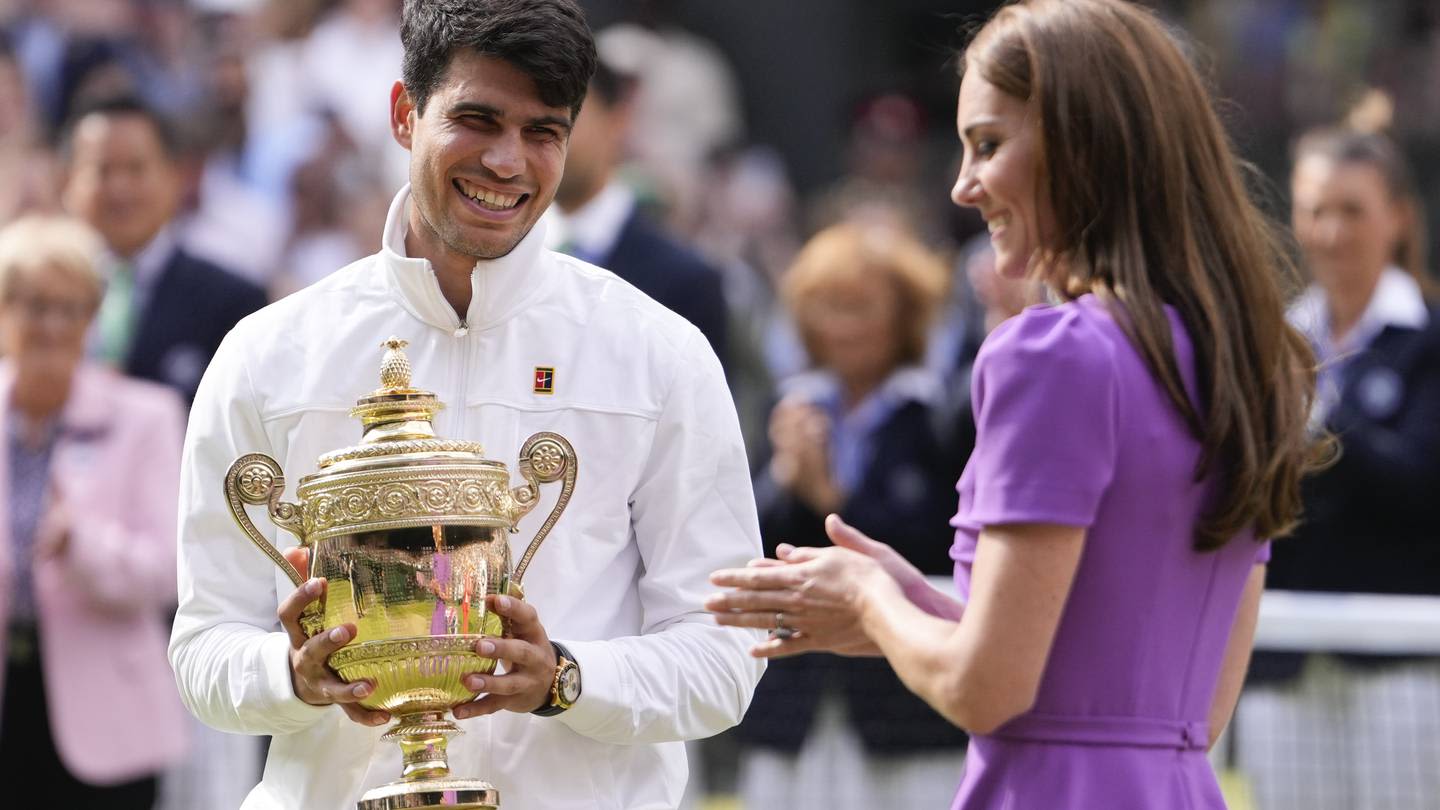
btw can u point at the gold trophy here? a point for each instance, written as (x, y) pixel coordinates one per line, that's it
(410, 532)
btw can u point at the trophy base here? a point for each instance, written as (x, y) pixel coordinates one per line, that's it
(444, 793)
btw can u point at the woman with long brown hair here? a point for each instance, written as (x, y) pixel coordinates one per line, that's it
(1133, 442)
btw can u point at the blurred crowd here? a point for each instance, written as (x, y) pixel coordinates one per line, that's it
(170, 166)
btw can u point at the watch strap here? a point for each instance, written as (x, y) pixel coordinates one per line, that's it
(552, 706)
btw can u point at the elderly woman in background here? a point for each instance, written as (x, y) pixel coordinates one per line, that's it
(1358, 731)
(860, 434)
(89, 468)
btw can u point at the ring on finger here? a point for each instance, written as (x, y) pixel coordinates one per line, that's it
(782, 631)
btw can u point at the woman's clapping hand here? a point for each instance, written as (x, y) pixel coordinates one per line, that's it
(816, 598)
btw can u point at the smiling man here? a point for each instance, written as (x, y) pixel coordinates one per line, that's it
(515, 339)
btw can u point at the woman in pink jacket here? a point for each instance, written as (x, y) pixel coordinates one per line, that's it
(89, 467)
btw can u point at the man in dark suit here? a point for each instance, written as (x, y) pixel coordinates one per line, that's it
(601, 224)
(165, 311)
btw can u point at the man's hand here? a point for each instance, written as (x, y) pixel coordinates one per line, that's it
(314, 682)
(529, 664)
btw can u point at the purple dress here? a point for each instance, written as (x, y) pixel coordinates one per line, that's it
(1073, 429)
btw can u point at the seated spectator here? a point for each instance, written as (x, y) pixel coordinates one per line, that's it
(90, 467)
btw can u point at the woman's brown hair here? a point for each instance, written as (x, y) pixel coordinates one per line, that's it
(1151, 208)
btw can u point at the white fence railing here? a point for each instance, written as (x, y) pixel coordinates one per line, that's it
(1338, 622)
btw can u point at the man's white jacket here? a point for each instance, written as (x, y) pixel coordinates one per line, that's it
(663, 498)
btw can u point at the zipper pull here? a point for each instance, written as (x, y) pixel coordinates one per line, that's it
(462, 330)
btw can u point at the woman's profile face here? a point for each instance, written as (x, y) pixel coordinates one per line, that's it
(1346, 220)
(43, 321)
(998, 176)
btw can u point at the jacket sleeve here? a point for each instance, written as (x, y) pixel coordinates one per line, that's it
(232, 670)
(127, 562)
(692, 512)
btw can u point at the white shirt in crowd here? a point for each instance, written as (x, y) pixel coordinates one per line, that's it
(591, 230)
(1396, 301)
(662, 499)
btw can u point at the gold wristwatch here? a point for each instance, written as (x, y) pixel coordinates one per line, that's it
(565, 689)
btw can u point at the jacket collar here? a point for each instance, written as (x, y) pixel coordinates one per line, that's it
(591, 231)
(499, 288)
(150, 262)
(904, 385)
(1397, 302)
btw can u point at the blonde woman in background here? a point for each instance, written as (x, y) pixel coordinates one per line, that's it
(860, 434)
(89, 470)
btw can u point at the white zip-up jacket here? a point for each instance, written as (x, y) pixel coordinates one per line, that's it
(663, 498)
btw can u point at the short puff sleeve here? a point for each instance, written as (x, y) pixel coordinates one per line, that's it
(1262, 554)
(1046, 413)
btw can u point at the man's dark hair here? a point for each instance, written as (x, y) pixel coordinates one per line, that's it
(120, 107)
(548, 40)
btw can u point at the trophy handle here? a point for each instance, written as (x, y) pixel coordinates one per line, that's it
(544, 458)
(255, 479)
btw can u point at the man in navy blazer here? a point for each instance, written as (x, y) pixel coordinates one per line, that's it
(601, 223)
(165, 311)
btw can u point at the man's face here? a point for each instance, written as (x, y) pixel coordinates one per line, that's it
(485, 158)
(596, 148)
(121, 180)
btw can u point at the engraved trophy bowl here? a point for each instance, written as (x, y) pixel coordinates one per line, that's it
(410, 532)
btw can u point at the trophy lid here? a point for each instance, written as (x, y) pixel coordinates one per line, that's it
(401, 474)
(397, 418)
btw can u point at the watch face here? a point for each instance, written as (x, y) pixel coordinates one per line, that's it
(570, 685)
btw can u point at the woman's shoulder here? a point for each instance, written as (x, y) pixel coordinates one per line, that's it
(1414, 346)
(1430, 332)
(1078, 337)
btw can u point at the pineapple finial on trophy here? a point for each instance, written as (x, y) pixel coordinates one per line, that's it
(360, 517)
(395, 410)
(395, 366)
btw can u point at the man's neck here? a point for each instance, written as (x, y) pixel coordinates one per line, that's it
(132, 253)
(591, 231)
(570, 204)
(147, 261)
(452, 270)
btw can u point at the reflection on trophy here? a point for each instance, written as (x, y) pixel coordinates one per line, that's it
(409, 530)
